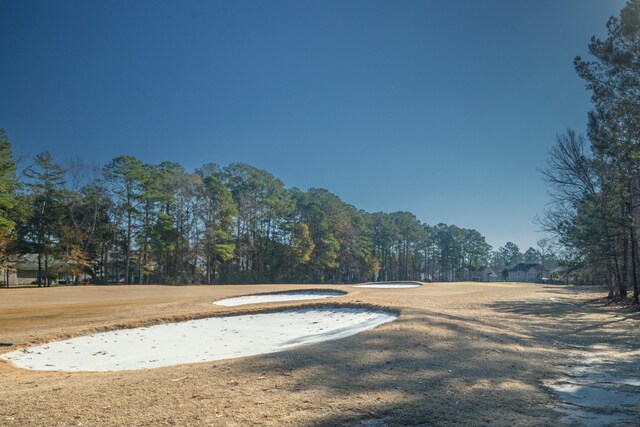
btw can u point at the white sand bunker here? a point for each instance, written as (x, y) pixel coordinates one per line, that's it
(391, 285)
(280, 297)
(201, 340)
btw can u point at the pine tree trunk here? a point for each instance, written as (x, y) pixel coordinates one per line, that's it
(622, 291)
(46, 270)
(39, 269)
(127, 250)
(634, 261)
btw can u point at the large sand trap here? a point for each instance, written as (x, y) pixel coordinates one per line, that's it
(390, 285)
(201, 340)
(280, 297)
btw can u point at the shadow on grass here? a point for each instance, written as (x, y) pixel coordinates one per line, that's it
(600, 382)
(579, 323)
(431, 368)
(426, 368)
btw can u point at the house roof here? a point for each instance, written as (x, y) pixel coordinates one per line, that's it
(29, 262)
(482, 269)
(524, 266)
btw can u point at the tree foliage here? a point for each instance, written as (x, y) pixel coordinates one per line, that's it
(42, 232)
(595, 182)
(159, 223)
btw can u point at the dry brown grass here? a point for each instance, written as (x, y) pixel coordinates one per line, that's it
(460, 353)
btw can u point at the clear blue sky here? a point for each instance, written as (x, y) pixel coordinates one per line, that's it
(442, 108)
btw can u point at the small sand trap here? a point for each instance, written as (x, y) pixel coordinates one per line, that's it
(212, 338)
(600, 387)
(280, 297)
(391, 285)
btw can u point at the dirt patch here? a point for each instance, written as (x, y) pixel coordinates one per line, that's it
(460, 354)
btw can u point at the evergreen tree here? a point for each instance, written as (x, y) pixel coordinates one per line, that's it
(596, 189)
(217, 213)
(46, 198)
(126, 177)
(8, 204)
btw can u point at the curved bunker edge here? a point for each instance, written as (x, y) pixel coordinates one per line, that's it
(399, 284)
(328, 293)
(385, 315)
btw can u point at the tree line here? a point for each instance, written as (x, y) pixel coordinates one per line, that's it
(594, 180)
(133, 222)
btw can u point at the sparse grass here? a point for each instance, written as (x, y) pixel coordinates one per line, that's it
(460, 354)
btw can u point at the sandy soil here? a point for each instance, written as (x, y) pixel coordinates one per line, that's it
(460, 354)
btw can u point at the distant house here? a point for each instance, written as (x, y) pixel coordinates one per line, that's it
(25, 270)
(462, 274)
(562, 274)
(558, 273)
(482, 274)
(8, 278)
(525, 272)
